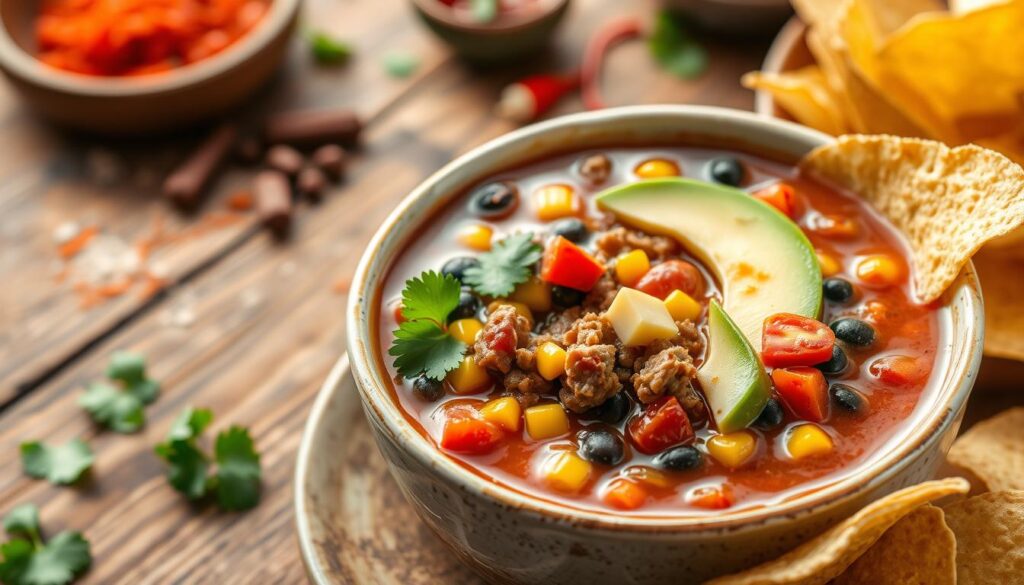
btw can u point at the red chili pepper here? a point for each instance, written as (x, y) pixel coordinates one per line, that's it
(529, 98)
(613, 32)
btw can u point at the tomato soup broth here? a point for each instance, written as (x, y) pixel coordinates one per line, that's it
(870, 400)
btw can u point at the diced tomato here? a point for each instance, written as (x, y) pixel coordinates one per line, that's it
(465, 431)
(780, 196)
(711, 497)
(899, 370)
(566, 264)
(625, 494)
(794, 340)
(803, 390)
(672, 275)
(661, 425)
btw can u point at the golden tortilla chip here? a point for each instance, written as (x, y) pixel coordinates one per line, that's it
(919, 549)
(994, 451)
(803, 93)
(989, 533)
(947, 202)
(825, 557)
(961, 6)
(1001, 272)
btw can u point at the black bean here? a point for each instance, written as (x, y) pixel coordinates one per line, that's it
(837, 290)
(565, 297)
(571, 229)
(848, 399)
(457, 266)
(494, 200)
(854, 331)
(604, 447)
(612, 411)
(469, 305)
(771, 415)
(682, 458)
(726, 170)
(836, 364)
(428, 389)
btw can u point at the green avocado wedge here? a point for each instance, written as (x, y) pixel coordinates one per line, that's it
(761, 260)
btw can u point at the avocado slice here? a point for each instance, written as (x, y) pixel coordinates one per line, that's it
(762, 261)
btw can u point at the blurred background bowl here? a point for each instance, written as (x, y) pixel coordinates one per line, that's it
(137, 105)
(735, 16)
(507, 38)
(788, 52)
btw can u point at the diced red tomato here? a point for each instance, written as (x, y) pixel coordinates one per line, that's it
(566, 264)
(804, 391)
(465, 431)
(661, 425)
(780, 196)
(711, 497)
(625, 494)
(793, 340)
(672, 275)
(899, 370)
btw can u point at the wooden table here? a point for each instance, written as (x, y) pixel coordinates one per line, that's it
(245, 326)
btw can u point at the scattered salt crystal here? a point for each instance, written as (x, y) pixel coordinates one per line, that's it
(181, 312)
(107, 259)
(251, 297)
(66, 232)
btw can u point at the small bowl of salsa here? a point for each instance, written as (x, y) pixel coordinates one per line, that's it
(131, 67)
(640, 342)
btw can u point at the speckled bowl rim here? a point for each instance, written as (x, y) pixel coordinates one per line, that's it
(20, 63)
(373, 390)
(431, 9)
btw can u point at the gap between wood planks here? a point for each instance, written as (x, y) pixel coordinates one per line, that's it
(25, 388)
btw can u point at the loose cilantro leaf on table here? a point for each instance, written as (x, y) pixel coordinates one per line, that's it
(510, 262)
(27, 560)
(329, 50)
(235, 483)
(60, 465)
(422, 344)
(121, 409)
(675, 49)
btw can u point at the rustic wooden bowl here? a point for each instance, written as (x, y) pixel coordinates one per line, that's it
(127, 106)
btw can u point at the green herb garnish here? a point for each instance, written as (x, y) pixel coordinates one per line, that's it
(675, 49)
(422, 344)
(61, 465)
(401, 64)
(484, 11)
(121, 409)
(28, 560)
(329, 50)
(236, 482)
(510, 262)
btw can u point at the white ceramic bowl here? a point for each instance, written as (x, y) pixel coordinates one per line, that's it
(511, 537)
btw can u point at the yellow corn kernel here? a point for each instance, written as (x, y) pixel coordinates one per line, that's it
(534, 293)
(554, 202)
(808, 440)
(657, 167)
(469, 378)
(520, 308)
(546, 421)
(631, 267)
(732, 449)
(465, 330)
(504, 412)
(649, 476)
(567, 472)
(477, 237)
(829, 265)
(550, 360)
(879, 270)
(682, 306)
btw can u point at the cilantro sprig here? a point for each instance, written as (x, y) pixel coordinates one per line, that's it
(61, 464)
(121, 406)
(26, 559)
(510, 262)
(422, 343)
(329, 50)
(674, 47)
(235, 484)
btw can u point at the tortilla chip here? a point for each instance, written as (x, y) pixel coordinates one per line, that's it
(946, 202)
(961, 6)
(922, 536)
(989, 533)
(825, 557)
(994, 451)
(804, 94)
(1000, 272)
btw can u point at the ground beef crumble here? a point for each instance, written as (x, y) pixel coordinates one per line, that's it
(590, 329)
(619, 240)
(590, 377)
(505, 331)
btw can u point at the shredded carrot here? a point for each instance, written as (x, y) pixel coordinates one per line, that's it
(76, 244)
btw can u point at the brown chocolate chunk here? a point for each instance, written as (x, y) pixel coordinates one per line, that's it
(310, 129)
(331, 159)
(186, 185)
(285, 159)
(274, 201)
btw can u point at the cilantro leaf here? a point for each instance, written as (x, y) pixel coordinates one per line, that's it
(31, 561)
(510, 262)
(430, 296)
(190, 423)
(484, 11)
(115, 409)
(675, 49)
(23, 520)
(238, 470)
(187, 467)
(421, 347)
(329, 50)
(61, 465)
(127, 367)
(15, 558)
